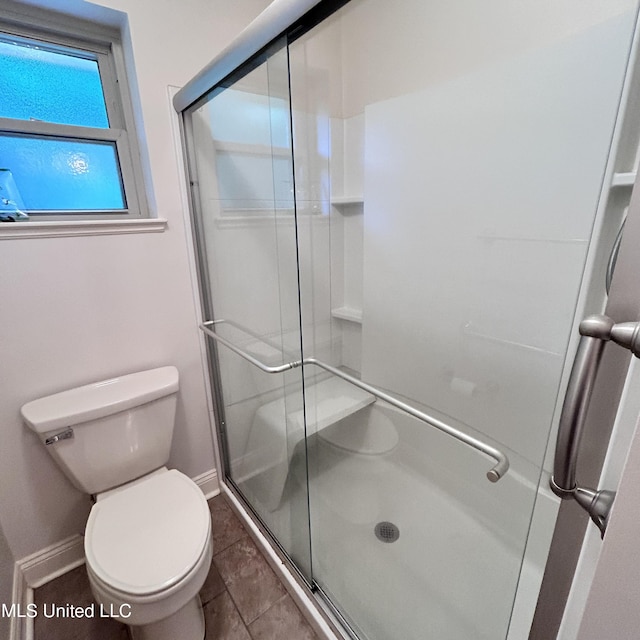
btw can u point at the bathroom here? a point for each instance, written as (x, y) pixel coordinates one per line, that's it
(80, 307)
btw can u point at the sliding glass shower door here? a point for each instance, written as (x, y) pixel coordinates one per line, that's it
(457, 151)
(242, 180)
(401, 215)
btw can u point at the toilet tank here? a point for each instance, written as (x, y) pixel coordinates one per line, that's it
(110, 432)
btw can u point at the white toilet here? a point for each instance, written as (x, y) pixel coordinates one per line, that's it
(148, 538)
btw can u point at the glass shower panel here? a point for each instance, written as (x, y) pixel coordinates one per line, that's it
(241, 167)
(449, 156)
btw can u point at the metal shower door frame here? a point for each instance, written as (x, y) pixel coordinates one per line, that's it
(207, 306)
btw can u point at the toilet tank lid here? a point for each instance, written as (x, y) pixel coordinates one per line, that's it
(99, 399)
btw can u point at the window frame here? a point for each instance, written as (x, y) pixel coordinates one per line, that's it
(66, 34)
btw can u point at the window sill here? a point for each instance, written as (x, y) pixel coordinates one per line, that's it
(69, 228)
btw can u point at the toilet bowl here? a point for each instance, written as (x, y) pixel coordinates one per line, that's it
(148, 550)
(148, 540)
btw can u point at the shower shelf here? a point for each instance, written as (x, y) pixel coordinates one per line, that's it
(350, 314)
(344, 201)
(624, 179)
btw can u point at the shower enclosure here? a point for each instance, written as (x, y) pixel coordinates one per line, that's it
(401, 212)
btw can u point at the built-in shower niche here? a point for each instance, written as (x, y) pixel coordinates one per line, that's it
(347, 231)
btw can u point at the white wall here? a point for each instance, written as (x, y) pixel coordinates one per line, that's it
(440, 40)
(82, 309)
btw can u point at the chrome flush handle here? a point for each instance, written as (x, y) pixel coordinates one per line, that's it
(595, 331)
(62, 435)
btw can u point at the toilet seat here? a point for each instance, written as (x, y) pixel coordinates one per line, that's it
(147, 538)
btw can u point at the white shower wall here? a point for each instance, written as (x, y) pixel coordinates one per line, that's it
(439, 40)
(449, 201)
(492, 221)
(432, 195)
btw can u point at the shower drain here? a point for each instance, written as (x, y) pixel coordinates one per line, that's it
(387, 532)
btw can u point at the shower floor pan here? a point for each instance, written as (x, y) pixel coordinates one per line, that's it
(453, 571)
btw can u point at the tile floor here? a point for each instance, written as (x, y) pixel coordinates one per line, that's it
(243, 598)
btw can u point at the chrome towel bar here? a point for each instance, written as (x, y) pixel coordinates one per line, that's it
(494, 474)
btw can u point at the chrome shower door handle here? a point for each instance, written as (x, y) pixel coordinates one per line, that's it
(576, 403)
(595, 332)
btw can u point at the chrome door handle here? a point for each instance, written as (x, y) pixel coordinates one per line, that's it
(595, 331)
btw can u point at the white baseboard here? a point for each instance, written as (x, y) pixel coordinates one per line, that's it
(47, 564)
(208, 483)
(53, 561)
(38, 569)
(21, 596)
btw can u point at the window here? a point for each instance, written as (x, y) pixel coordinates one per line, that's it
(67, 147)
